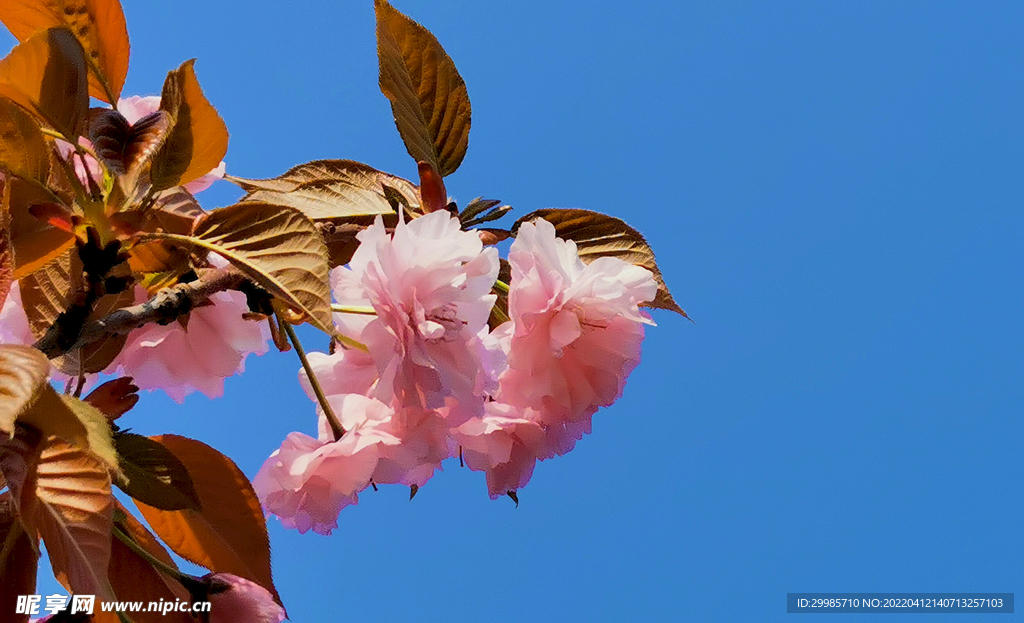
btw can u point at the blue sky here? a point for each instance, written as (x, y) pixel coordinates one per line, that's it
(834, 193)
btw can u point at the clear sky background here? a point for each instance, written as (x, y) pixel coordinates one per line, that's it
(834, 192)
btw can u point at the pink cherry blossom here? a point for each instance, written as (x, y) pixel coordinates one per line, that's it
(136, 107)
(200, 184)
(504, 445)
(429, 284)
(86, 167)
(14, 327)
(424, 444)
(236, 600)
(577, 331)
(422, 433)
(181, 358)
(346, 371)
(573, 339)
(435, 380)
(307, 481)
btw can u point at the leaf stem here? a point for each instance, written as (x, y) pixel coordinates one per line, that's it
(336, 428)
(501, 286)
(103, 81)
(185, 579)
(354, 309)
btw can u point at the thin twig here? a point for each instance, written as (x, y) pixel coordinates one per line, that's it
(332, 419)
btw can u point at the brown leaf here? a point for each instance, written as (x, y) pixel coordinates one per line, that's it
(160, 263)
(52, 290)
(71, 420)
(68, 503)
(125, 148)
(131, 526)
(114, 398)
(278, 248)
(26, 397)
(198, 138)
(134, 578)
(33, 242)
(428, 96)
(19, 560)
(176, 210)
(482, 210)
(23, 375)
(599, 235)
(230, 534)
(154, 475)
(325, 200)
(330, 189)
(46, 75)
(23, 150)
(99, 26)
(82, 424)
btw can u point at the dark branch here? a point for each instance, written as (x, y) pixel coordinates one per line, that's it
(164, 307)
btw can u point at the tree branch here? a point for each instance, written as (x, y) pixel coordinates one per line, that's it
(163, 308)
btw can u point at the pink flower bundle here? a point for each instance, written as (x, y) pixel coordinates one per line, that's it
(435, 382)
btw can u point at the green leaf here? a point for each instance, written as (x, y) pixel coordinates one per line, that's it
(98, 437)
(599, 235)
(153, 474)
(428, 96)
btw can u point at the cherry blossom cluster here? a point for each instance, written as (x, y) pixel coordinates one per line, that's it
(435, 382)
